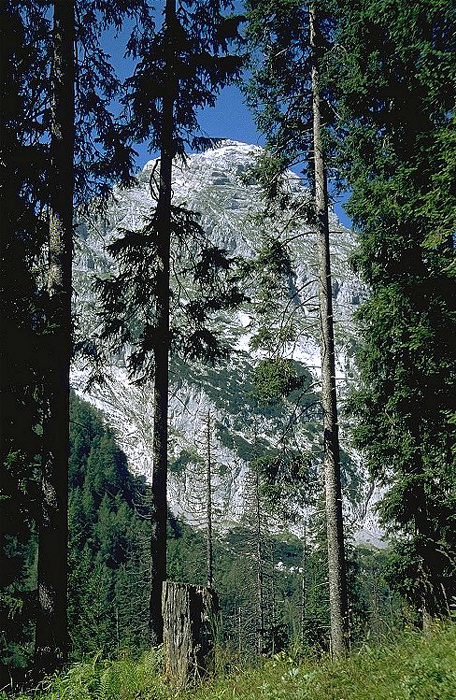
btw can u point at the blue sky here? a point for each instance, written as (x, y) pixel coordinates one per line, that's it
(229, 119)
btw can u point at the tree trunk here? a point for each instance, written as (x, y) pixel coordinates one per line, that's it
(303, 584)
(260, 574)
(209, 503)
(334, 522)
(273, 622)
(161, 347)
(51, 642)
(189, 614)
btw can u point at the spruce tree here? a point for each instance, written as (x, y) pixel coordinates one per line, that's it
(334, 518)
(286, 93)
(161, 341)
(51, 643)
(180, 70)
(108, 542)
(39, 169)
(21, 241)
(397, 98)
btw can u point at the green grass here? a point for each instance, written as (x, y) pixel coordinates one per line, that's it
(412, 667)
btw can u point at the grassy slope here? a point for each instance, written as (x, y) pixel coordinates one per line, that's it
(414, 667)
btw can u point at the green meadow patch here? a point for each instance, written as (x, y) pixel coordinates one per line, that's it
(413, 666)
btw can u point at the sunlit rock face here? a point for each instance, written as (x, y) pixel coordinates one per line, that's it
(219, 185)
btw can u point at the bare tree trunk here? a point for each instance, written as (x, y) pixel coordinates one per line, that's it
(273, 602)
(161, 347)
(210, 577)
(51, 643)
(334, 521)
(260, 557)
(190, 619)
(303, 583)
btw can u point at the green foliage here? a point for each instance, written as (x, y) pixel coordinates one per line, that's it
(181, 68)
(99, 679)
(275, 379)
(130, 298)
(271, 275)
(186, 457)
(281, 389)
(22, 299)
(26, 332)
(108, 542)
(108, 553)
(186, 553)
(410, 666)
(396, 92)
(201, 38)
(374, 612)
(279, 91)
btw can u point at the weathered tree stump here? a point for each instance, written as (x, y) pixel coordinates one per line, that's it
(189, 620)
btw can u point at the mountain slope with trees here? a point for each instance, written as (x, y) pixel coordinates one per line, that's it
(362, 92)
(219, 185)
(107, 560)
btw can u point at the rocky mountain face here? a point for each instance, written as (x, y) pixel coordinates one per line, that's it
(220, 186)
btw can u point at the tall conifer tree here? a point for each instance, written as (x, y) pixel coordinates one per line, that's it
(22, 237)
(287, 96)
(180, 69)
(161, 342)
(40, 164)
(397, 100)
(334, 519)
(51, 630)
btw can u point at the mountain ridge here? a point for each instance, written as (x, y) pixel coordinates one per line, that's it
(220, 186)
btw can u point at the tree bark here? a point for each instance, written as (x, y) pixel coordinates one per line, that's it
(273, 623)
(190, 614)
(303, 583)
(334, 520)
(210, 577)
(51, 643)
(161, 347)
(260, 558)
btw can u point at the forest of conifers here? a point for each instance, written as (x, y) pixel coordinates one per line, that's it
(358, 96)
